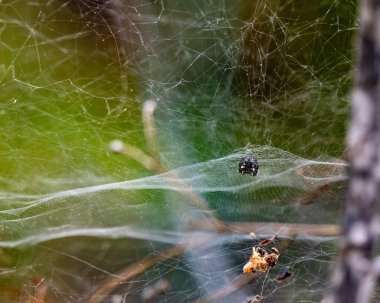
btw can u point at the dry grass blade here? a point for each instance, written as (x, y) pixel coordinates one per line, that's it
(280, 229)
(134, 269)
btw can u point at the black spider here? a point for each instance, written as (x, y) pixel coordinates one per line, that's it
(249, 165)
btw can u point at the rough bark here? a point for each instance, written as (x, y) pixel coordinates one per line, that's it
(355, 274)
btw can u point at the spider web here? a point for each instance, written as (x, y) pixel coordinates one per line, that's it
(169, 218)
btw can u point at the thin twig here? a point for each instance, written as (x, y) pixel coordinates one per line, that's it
(313, 194)
(150, 163)
(150, 132)
(154, 164)
(134, 269)
(178, 184)
(281, 229)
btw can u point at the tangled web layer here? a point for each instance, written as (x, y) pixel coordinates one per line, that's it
(284, 183)
(288, 189)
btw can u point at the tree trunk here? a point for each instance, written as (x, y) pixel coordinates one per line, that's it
(355, 275)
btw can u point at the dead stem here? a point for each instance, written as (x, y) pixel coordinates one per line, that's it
(150, 132)
(134, 269)
(131, 271)
(180, 185)
(280, 229)
(119, 147)
(313, 194)
(153, 164)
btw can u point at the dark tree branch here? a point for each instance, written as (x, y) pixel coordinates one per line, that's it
(355, 273)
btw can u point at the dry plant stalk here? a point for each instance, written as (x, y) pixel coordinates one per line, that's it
(280, 229)
(153, 164)
(137, 268)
